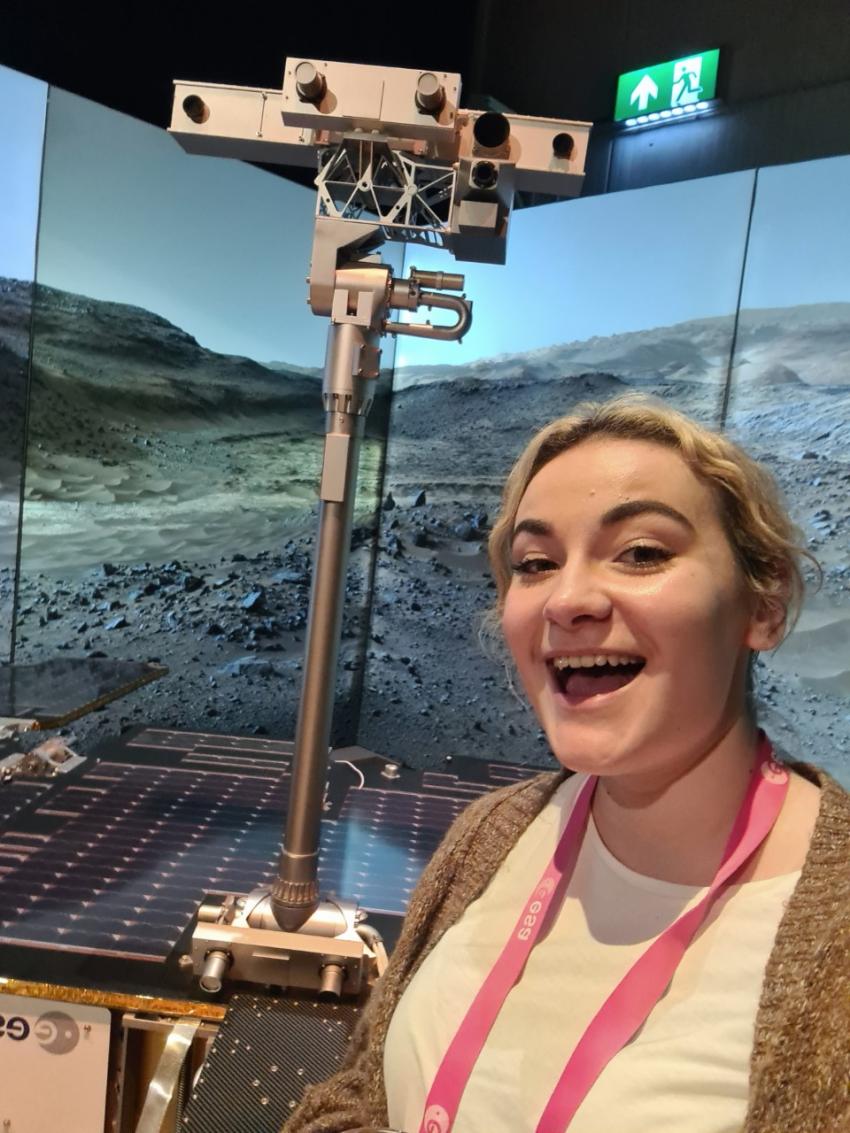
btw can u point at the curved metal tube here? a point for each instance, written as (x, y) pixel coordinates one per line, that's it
(165, 1081)
(453, 332)
(373, 940)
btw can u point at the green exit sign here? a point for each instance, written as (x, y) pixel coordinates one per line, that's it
(675, 88)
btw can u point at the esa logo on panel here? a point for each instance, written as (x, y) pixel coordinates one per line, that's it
(56, 1032)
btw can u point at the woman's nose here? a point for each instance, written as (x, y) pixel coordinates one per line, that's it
(577, 592)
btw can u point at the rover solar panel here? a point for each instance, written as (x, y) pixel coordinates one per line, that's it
(54, 692)
(115, 858)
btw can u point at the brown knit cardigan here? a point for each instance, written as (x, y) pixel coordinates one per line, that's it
(800, 1065)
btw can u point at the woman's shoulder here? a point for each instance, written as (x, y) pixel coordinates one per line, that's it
(785, 849)
(820, 794)
(812, 832)
(473, 848)
(483, 833)
(825, 879)
(506, 811)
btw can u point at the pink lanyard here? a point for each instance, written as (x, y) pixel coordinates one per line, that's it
(629, 1005)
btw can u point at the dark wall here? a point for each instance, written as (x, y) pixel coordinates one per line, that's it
(784, 79)
(785, 66)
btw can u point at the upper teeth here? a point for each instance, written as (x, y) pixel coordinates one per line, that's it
(589, 660)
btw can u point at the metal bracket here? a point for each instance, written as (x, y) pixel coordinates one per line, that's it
(164, 1083)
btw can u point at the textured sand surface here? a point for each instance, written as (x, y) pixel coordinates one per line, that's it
(167, 485)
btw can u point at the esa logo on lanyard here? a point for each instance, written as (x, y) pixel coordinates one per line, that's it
(540, 899)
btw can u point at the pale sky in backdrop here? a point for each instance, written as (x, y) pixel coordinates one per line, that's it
(221, 249)
(22, 105)
(653, 257)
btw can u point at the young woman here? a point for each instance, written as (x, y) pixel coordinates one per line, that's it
(656, 937)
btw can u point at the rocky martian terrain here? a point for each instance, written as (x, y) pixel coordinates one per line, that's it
(170, 510)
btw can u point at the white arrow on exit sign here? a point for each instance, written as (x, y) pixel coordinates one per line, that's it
(643, 92)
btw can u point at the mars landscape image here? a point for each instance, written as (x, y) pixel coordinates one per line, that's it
(790, 407)
(170, 508)
(167, 374)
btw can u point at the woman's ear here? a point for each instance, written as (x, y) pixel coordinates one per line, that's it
(767, 623)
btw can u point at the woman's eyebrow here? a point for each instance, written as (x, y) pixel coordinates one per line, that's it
(641, 507)
(533, 527)
(614, 515)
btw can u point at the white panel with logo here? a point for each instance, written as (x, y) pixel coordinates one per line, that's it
(53, 1066)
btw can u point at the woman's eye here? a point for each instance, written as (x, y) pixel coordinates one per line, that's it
(646, 555)
(532, 566)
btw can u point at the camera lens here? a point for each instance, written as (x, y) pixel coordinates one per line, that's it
(430, 95)
(491, 130)
(484, 175)
(309, 83)
(563, 145)
(195, 108)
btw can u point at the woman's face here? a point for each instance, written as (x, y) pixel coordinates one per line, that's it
(620, 559)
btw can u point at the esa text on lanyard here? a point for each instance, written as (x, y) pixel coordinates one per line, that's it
(628, 1006)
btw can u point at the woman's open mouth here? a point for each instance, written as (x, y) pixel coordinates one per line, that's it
(581, 678)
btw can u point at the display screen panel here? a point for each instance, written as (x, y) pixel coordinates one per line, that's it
(634, 291)
(23, 104)
(175, 430)
(790, 407)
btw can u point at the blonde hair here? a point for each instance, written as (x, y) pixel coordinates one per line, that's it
(765, 541)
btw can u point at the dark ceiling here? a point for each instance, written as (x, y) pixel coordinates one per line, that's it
(783, 62)
(126, 55)
(543, 57)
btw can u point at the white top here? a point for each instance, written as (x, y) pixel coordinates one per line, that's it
(687, 1068)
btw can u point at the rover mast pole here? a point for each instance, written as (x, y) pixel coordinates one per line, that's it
(352, 363)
